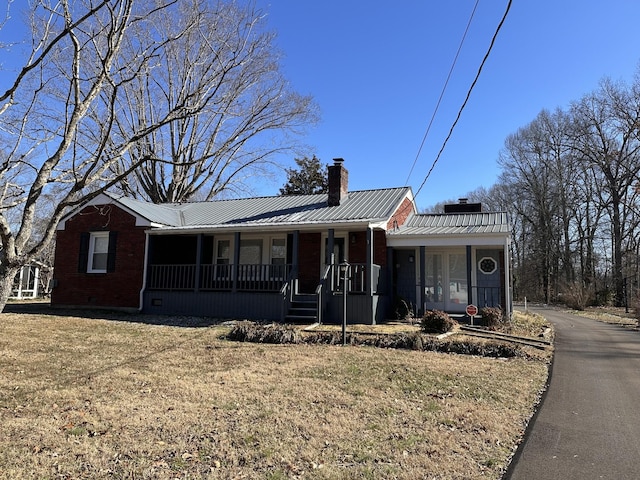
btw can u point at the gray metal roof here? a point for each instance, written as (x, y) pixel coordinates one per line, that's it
(360, 206)
(455, 224)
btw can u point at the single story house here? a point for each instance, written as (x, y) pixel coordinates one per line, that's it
(283, 258)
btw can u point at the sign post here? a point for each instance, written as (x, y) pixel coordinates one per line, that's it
(472, 311)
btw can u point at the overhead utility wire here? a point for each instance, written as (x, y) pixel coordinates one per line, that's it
(493, 40)
(444, 88)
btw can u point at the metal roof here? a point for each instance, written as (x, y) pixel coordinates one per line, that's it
(455, 224)
(359, 206)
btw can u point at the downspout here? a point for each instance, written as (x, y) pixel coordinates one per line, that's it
(144, 271)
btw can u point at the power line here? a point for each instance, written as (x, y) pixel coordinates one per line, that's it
(444, 88)
(475, 80)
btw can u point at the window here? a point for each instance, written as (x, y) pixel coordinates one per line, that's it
(487, 265)
(223, 252)
(278, 251)
(98, 252)
(250, 251)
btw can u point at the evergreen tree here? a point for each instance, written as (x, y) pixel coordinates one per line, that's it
(310, 177)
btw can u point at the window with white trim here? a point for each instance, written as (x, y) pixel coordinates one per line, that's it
(487, 265)
(223, 252)
(278, 251)
(98, 252)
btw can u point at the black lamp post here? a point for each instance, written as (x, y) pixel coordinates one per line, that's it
(344, 273)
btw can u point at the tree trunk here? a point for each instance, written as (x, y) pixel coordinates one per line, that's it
(7, 277)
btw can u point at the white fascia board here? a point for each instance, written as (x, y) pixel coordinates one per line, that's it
(268, 228)
(445, 241)
(103, 199)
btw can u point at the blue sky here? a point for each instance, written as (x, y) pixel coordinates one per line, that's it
(376, 70)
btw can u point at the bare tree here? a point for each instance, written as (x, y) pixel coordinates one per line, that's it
(247, 111)
(61, 113)
(607, 143)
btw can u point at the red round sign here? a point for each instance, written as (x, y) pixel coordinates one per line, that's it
(472, 310)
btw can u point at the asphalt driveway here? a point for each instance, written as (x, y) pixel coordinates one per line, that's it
(588, 426)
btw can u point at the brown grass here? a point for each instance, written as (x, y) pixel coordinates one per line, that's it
(92, 398)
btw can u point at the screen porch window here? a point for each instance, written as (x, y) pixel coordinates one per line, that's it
(278, 251)
(98, 252)
(223, 252)
(250, 251)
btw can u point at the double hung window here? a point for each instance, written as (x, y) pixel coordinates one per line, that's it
(97, 252)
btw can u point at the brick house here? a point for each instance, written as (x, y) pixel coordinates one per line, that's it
(282, 258)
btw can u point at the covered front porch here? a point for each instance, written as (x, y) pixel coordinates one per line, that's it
(450, 278)
(264, 277)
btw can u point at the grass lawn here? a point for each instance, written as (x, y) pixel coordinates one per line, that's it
(95, 398)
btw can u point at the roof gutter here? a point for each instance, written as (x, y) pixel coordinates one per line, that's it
(271, 227)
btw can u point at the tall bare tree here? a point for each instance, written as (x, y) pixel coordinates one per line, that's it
(61, 111)
(248, 108)
(607, 143)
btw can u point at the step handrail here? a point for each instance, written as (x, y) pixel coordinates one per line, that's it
(320, 292)
(287, 291)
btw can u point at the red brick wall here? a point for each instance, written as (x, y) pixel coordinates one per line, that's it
(309, 245)
(120, 288)
(380, 248)
(401, 214)
(358, 249)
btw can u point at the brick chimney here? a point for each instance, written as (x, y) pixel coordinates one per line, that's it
(338, 182)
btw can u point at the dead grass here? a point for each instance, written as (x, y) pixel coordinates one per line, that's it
(615, 315)
(91, 398)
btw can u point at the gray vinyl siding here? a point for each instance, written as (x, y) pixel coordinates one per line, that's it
(260, 306)
(222, 305)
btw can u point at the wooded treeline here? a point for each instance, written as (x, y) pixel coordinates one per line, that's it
(570, 180)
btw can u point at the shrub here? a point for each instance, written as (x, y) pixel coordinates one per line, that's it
(577, 297)
(492, 318)
(436, 321)
(402, 309)
(274, 333)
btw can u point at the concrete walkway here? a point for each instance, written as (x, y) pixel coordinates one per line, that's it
(588, 426)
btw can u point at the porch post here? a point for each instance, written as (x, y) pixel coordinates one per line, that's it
(330, 260)
(236, 261)
(295, 255)
(369, 261)
(36, 281)
(196, 282)
(507, 279)
(423, 280)
(469, 267)
(390, 284)
(330, 244)
(369, 271)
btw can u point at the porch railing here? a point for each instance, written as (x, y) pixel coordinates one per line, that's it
(253, 277)
(172, 277)
(488, 296)
(357, 278)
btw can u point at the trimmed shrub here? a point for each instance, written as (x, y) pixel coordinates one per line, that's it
(437, 321)
(492, 318)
